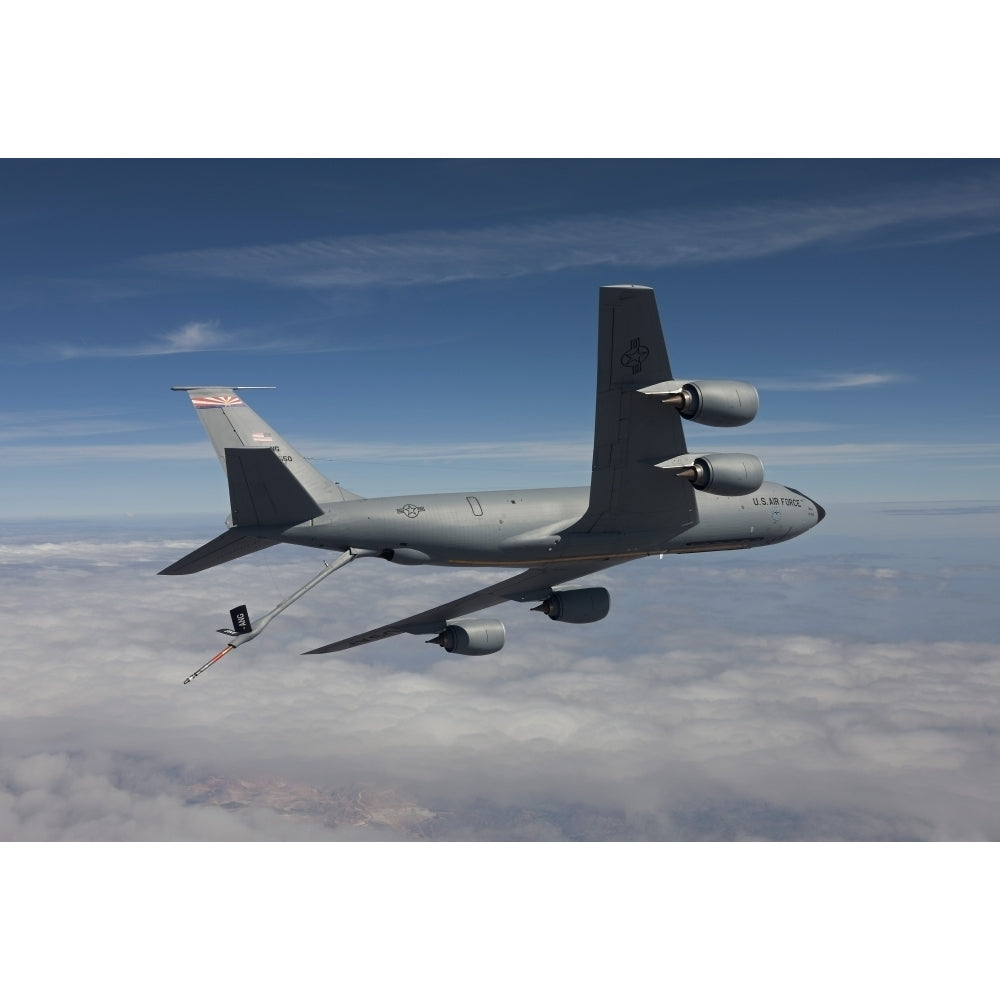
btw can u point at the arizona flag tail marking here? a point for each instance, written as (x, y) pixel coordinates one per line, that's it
(205, 402)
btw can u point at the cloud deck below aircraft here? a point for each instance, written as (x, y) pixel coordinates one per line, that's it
(676, 718)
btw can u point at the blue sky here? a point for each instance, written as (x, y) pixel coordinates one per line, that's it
(431, 324)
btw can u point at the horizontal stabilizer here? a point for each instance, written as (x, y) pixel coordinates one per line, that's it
(226, 547)
(264, 491)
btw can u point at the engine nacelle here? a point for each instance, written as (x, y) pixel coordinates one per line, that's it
(582, 605)
(472, 638)
(726, 475)
(714, 402)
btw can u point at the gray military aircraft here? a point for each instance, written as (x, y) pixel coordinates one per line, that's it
(648, 495)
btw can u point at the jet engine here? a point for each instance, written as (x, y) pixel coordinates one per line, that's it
(726, 475)
(581, 605)
(472, 638)
(714, 402)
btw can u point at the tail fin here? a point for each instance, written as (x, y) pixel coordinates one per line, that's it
(232, 425)
(264, 492)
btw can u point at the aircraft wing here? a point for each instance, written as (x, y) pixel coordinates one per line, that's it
(633, 432)
(532, 585)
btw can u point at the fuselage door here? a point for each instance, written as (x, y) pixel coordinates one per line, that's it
(476, 506)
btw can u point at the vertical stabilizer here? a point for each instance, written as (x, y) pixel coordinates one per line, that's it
(231, 424)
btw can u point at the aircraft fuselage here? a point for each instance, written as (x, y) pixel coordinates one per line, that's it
(527, 527)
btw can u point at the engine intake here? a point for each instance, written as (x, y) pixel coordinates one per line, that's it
(713, 402)
(472, 638)
(727, 475)
(581, 605)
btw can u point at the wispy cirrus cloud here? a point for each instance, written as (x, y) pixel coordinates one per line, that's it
(41, 455)
(44, 425)
(651, 239)
(190, 338)
(828, 382)
(202, 337)
(852, 453)
(536, 452)
(546, 452)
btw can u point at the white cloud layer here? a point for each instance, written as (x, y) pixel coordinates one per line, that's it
(741, 697)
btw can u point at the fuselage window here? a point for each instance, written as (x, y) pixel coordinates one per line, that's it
(475, 505)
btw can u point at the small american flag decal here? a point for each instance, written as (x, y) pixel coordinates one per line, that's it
(262, 438)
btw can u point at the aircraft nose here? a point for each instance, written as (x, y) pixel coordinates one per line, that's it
(820, 513)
